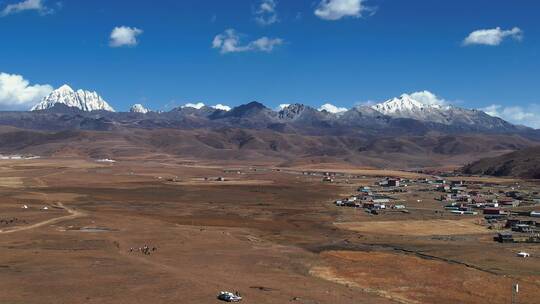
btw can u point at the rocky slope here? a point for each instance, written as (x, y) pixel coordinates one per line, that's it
(260, 146)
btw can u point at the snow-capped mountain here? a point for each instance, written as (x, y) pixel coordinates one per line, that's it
(138, 108)
(407, 106)
(83, 100)
(426, 107)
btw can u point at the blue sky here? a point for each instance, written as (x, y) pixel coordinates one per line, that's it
(168, 53)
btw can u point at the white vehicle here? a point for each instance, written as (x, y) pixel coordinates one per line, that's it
(523, 254)
(229, 296)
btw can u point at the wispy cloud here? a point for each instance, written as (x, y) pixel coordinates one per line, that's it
(266, 12)
(523, 115)
(16, 93)
(124, 36)
(492, 37)
(229, 42)
(337, 9)
(27, 5)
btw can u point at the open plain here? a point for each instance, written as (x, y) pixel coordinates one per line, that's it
(272, 234)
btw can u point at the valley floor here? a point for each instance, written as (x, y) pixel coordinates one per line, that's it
(274, 235)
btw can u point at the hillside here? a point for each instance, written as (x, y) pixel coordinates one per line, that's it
(408, 134)
(524, 163)
(261, 146)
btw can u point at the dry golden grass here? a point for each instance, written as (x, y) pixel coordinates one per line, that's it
(410, 280)
(11, 182)
(417, 228)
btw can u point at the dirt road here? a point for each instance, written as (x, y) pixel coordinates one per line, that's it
(73, 214)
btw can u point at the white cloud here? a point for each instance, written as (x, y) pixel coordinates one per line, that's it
(200, 105)
(428, 98)
(229, 42)
(331, 108)
(27, 5)
(266, 12)
(337, 9)
(492, 37)
(265, 44)
(221, 107)
(523, 115)
(124, 36)
(197, 105)
(16, 93)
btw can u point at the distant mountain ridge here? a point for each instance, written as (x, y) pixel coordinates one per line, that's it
(409, 114)
(295, 118)
(296, 133)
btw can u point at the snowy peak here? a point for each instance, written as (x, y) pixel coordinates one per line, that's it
(407, 105)
(138, 108)
(65, 88)
(424, 106)
(427, 107)
(81, 99)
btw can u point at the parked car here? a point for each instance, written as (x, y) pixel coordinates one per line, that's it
(229, 296)
(523, 254)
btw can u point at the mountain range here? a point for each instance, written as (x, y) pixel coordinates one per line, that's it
(402, 132)
(405, 114)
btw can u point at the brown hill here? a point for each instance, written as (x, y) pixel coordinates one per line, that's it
(263, 146)
(524, 163)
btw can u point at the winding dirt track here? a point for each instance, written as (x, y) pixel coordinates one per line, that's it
(73, 214)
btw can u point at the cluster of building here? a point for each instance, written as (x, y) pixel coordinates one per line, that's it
(508, 237)
(497, 203)
(373, 201)
(516, 230)
(469, 198)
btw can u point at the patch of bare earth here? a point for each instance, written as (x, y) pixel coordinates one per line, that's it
(410, 279)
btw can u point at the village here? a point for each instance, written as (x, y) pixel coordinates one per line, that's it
(510, 210)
